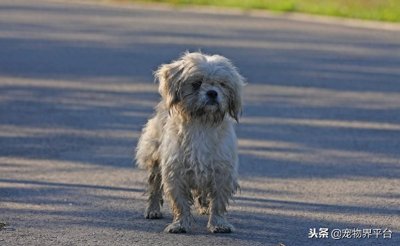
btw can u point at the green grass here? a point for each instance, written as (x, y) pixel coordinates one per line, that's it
(382, 10)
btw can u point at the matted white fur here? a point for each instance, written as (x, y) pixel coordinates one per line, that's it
(189, 147)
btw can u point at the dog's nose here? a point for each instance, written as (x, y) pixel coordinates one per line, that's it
(212, 94)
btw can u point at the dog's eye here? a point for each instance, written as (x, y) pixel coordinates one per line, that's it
(196, 85)
(223, 84)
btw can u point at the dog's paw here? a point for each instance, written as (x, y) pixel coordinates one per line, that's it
(221, 226)
(175, 227)
(153, 214)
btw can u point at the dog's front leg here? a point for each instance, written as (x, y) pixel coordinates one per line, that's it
(179, 195)
(220, 194)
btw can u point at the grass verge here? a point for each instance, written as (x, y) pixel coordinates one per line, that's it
(381, 10)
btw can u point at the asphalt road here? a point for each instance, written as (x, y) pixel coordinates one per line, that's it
(319, 137)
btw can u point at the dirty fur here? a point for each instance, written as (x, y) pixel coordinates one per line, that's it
(189, 147)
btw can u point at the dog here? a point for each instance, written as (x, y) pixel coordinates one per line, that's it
(189, 147)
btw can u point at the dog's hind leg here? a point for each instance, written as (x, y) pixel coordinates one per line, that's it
(154, 201)
(202, 202)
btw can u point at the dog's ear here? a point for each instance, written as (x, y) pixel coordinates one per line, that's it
(169, 78)
(235, 96)
(234, 87)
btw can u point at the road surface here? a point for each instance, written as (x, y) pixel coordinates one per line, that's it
(319, 136)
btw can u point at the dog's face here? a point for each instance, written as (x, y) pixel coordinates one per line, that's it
(201, 86)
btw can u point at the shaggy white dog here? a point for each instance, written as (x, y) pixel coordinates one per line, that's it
(189, 147)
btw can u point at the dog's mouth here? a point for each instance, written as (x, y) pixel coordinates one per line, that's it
(210, 112)
(212, 102)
